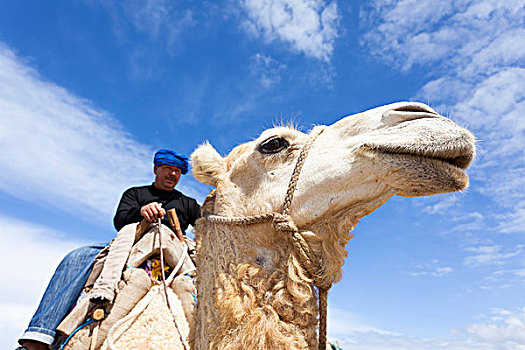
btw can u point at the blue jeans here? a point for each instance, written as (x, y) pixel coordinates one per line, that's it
(61, 293)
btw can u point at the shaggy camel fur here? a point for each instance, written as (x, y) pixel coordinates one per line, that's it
(252, 291)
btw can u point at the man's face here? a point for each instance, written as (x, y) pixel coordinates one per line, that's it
(166, 176)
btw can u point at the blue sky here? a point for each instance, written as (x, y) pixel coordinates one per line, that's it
(90, 89)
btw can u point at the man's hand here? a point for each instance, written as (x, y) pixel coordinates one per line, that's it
(152, 211)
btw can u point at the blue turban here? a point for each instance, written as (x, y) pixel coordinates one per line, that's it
(169, 157)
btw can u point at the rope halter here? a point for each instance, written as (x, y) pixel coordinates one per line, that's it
(283, 222)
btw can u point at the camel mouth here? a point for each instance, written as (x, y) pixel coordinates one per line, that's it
(458, 158)
(461, 162)
(416, 173)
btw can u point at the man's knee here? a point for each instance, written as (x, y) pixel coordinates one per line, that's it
(83, 255)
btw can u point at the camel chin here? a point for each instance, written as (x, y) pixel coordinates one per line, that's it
(414, 176)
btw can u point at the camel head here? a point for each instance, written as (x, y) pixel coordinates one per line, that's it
(255, 277)
(353, 167)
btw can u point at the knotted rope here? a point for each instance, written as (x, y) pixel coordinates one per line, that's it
(283, 222)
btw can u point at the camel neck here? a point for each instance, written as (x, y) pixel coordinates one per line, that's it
(245, 271)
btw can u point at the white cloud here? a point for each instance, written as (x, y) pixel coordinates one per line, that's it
(506, 50)
(57, 149)
(147, 16)
(309, 26)
(472, 222)
(31, 252)
(441, 271)
(441, 203)
(266, 69)
(432, 268)
(343, 322)
(159, 19)
(520, 272)
(447, 32)
(13, 326)
(148, 31)
(386, 341)
(400, 39)
(492, 255)
(505, 330)
(513, 222)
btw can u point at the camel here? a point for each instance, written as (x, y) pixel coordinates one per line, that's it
(272, 238)
(254, 290)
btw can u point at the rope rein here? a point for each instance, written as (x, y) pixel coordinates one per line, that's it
(282, 222)
(164, 281)
(146, 300)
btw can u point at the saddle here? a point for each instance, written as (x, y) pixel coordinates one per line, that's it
(140, 313)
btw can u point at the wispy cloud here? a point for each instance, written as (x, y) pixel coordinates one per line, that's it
(13, 326)
(520, 272)
(266, 70)
(159, 19)
(433, 268)
(33, 252)
(437, 272)
(401, 40)
(476, 50)
(309, 26)
(342, 322)
(440, 204)
(471, 222)
(486, 255)
(59, 150)
(504, 277)
(506, 328)
(386, 341)
(502, 330)
(513, 222)
(161, 26)
(445, 32)
(148, 16)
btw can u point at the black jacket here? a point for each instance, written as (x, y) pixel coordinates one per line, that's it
(133, 199)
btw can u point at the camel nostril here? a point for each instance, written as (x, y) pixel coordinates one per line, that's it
(408, 112)
(414, 108)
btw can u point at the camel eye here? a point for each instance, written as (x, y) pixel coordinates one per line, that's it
(273, 145)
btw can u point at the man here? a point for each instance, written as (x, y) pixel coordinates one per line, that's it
(150, 202)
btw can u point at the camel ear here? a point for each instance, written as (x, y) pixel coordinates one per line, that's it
(207, 164)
